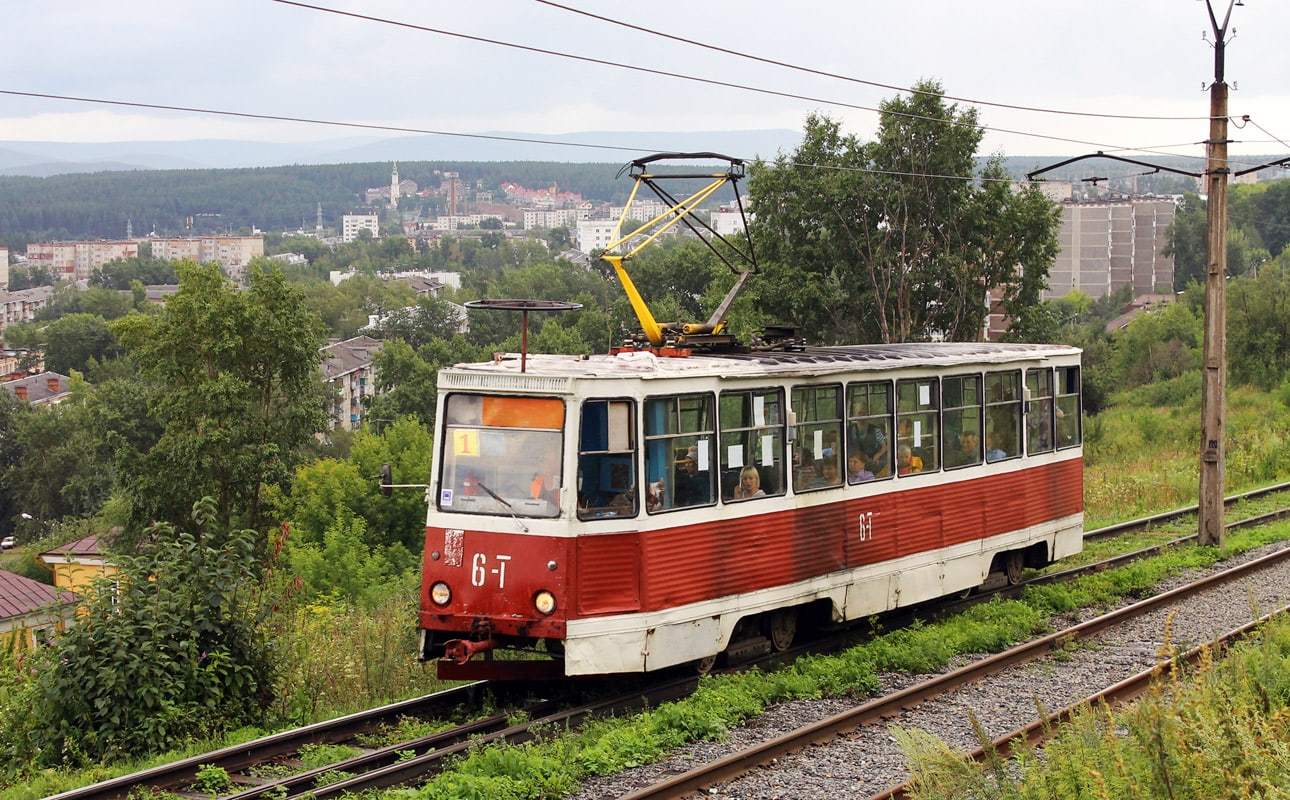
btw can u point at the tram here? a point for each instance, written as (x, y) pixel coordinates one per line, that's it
(626, 513)
(666, 503)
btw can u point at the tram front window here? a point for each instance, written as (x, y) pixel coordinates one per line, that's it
(502, 455)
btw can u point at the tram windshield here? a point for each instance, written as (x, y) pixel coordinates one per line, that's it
(502, 455)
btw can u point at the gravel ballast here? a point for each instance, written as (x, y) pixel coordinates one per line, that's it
(868, 760)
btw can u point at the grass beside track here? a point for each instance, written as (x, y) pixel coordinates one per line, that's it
(557, 763)
(1223, 730)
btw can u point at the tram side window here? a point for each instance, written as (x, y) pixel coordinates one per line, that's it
(916, 421)
(678, 452)
(1039, 411)
(1002, 416)
(817, 453)
(1068, 407)
(607, 460)
(752, 444)
(869, 451)
(962, 420)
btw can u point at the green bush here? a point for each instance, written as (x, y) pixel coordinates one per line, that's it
(166, 651)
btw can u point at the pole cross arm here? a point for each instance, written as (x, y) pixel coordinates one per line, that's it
(1099, 154)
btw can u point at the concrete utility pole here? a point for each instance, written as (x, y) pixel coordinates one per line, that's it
(1214, 392)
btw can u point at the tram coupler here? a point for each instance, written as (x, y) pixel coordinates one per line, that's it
(460, 651)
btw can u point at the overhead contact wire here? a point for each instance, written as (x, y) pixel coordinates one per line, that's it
(852, 78)
(693, 78)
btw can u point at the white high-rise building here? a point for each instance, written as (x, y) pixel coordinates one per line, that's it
(596, 234)
(351, 224)
(394, 186)
(4, 268)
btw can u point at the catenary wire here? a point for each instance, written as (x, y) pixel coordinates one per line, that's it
(853, 79)
(694, 78)
(1267, 132)
(492, 137)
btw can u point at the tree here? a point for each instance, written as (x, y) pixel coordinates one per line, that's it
(430, 319)
(880, 247)
(167, 651)
(71, 341)
(407, 379)
(11, 456)
(235, 387)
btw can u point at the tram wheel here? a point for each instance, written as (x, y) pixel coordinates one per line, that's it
(1013, 564)
(704, 665)
(782, 628)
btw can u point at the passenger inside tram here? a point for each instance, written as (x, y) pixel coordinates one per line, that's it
(906, 462)
(749, 484)
(858, 468)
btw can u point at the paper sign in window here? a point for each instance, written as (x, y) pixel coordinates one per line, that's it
(759, 411)
(702, 462)
(735, 456)
(819, 445)
(918, 433)
(465, 442)
(925, 394)
(768, 451)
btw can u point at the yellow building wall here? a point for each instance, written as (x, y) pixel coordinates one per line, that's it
(78, 577)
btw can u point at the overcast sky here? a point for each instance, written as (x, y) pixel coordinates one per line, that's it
(1120, 56)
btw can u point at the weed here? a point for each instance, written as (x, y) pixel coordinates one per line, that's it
(212, 779)
(315, 756)
(331, 776)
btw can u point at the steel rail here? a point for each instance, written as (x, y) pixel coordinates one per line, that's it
(257, 751)
(1169, 516)
(1045, 728)
(876, 709)
(265, 748)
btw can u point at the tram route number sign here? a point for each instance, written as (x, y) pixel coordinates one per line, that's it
(480, 571)
(865, 526)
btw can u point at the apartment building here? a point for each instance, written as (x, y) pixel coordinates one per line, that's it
(535, 218)
(22, 305)
(351, 224)
(347, 371)
(1109, 244)
(232, 253)
(596, 234)
(4, 267)
(76, 261)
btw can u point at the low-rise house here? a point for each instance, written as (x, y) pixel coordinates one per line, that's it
(76, 565)
(44, 389)
(347, 371)
(31, 612)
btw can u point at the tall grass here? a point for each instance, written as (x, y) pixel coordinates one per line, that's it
(1224, 731)
(1141, 455)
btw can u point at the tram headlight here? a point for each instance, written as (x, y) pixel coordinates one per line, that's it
(544, 602)
(440, 593)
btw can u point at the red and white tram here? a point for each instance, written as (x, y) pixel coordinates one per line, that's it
(630, 512)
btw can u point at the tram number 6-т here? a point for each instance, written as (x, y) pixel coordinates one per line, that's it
(479, 571)
(866, 526)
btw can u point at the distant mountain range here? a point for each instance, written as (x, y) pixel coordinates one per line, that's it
(43, 159)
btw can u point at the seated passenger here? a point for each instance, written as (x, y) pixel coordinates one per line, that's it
(858, 468)
(969, 450)
(873, 443)
(822, 476)
(654, 496)
(906, 462)
(749, 484)
(693, 488)
(992, 452)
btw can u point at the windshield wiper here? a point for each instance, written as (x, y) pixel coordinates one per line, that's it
(509, 507)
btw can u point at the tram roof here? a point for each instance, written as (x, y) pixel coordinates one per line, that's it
(808, 361)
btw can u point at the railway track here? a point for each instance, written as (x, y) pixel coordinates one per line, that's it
(877, 709)
(401, 762)
(1136, 685)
